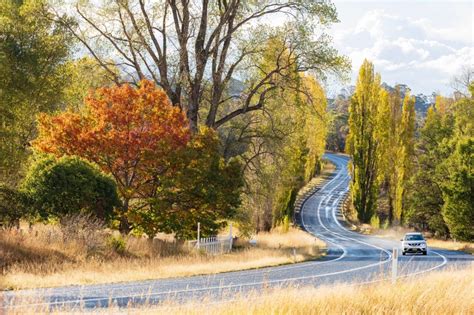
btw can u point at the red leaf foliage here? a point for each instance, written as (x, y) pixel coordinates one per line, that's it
(129, 132)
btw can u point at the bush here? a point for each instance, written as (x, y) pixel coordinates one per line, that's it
(375, 221)
(69, 185)
(13, 206)
(286, 224)
(117, 243)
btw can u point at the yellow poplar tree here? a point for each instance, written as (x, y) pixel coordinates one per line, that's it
(362, 143)
(406, 148)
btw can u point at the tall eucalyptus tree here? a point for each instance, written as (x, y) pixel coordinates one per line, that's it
(193, 49)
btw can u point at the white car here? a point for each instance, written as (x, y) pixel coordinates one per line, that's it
(414, 243)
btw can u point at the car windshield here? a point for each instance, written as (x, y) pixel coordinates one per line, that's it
(414, 237)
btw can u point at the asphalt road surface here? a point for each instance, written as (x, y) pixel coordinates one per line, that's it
(352, 258)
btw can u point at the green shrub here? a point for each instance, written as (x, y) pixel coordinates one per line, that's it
(69, 185)
(375, 221)
(286, 224)
(117, 244)
(13, 206)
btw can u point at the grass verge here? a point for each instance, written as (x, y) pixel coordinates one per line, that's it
(447, 292)
(43, 259)
(442, 292)
(82, 252)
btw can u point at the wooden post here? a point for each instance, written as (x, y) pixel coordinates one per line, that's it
(198, 236)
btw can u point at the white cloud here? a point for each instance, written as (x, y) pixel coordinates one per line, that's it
(457, 34)
(371, 22)
(423, 53)
(450, 64)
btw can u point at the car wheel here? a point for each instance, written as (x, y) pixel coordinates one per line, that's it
(424, 253)
(403, 253)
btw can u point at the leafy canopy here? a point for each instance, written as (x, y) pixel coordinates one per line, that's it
(33, 53)
(69, 185)
(129, 132)
(362, 142)
(201, 187)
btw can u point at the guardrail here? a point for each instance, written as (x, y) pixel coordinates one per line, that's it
(309, 189)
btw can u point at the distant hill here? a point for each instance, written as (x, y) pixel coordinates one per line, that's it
(235, 88)
(422, 101)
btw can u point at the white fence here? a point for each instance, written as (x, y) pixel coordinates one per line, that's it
(213, 245)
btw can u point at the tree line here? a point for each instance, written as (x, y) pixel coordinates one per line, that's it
(154, 115)
(419, 175)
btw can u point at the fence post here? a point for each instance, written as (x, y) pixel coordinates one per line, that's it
(230, 238)
(198, 243)
(394, 264)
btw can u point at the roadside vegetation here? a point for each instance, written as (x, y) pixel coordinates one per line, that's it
(160, 144)
(443, 292)
(111, 164)
(448, 292)
(83, 252)
(410, 171)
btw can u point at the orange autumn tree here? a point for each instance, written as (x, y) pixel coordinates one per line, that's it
(131, 133)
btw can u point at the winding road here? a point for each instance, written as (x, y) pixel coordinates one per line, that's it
(352, 258)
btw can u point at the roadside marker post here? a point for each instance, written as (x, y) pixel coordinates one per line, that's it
(198, 235)
(230, 237)
(394, 264)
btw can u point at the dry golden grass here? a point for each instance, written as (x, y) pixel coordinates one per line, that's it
(446, 292)
(443, 292)
(43, 259)
(294, 238)
(327, 169)
(452, 245)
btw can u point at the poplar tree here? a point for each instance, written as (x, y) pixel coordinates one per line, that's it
(384, 139)
(395, 102)
(362, 143)
(405, 153)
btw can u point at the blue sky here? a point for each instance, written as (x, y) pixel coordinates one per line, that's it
(419, 43)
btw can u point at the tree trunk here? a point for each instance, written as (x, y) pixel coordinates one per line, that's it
(192, 106)
(192, 115)
(124, 226)
(390, 207)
